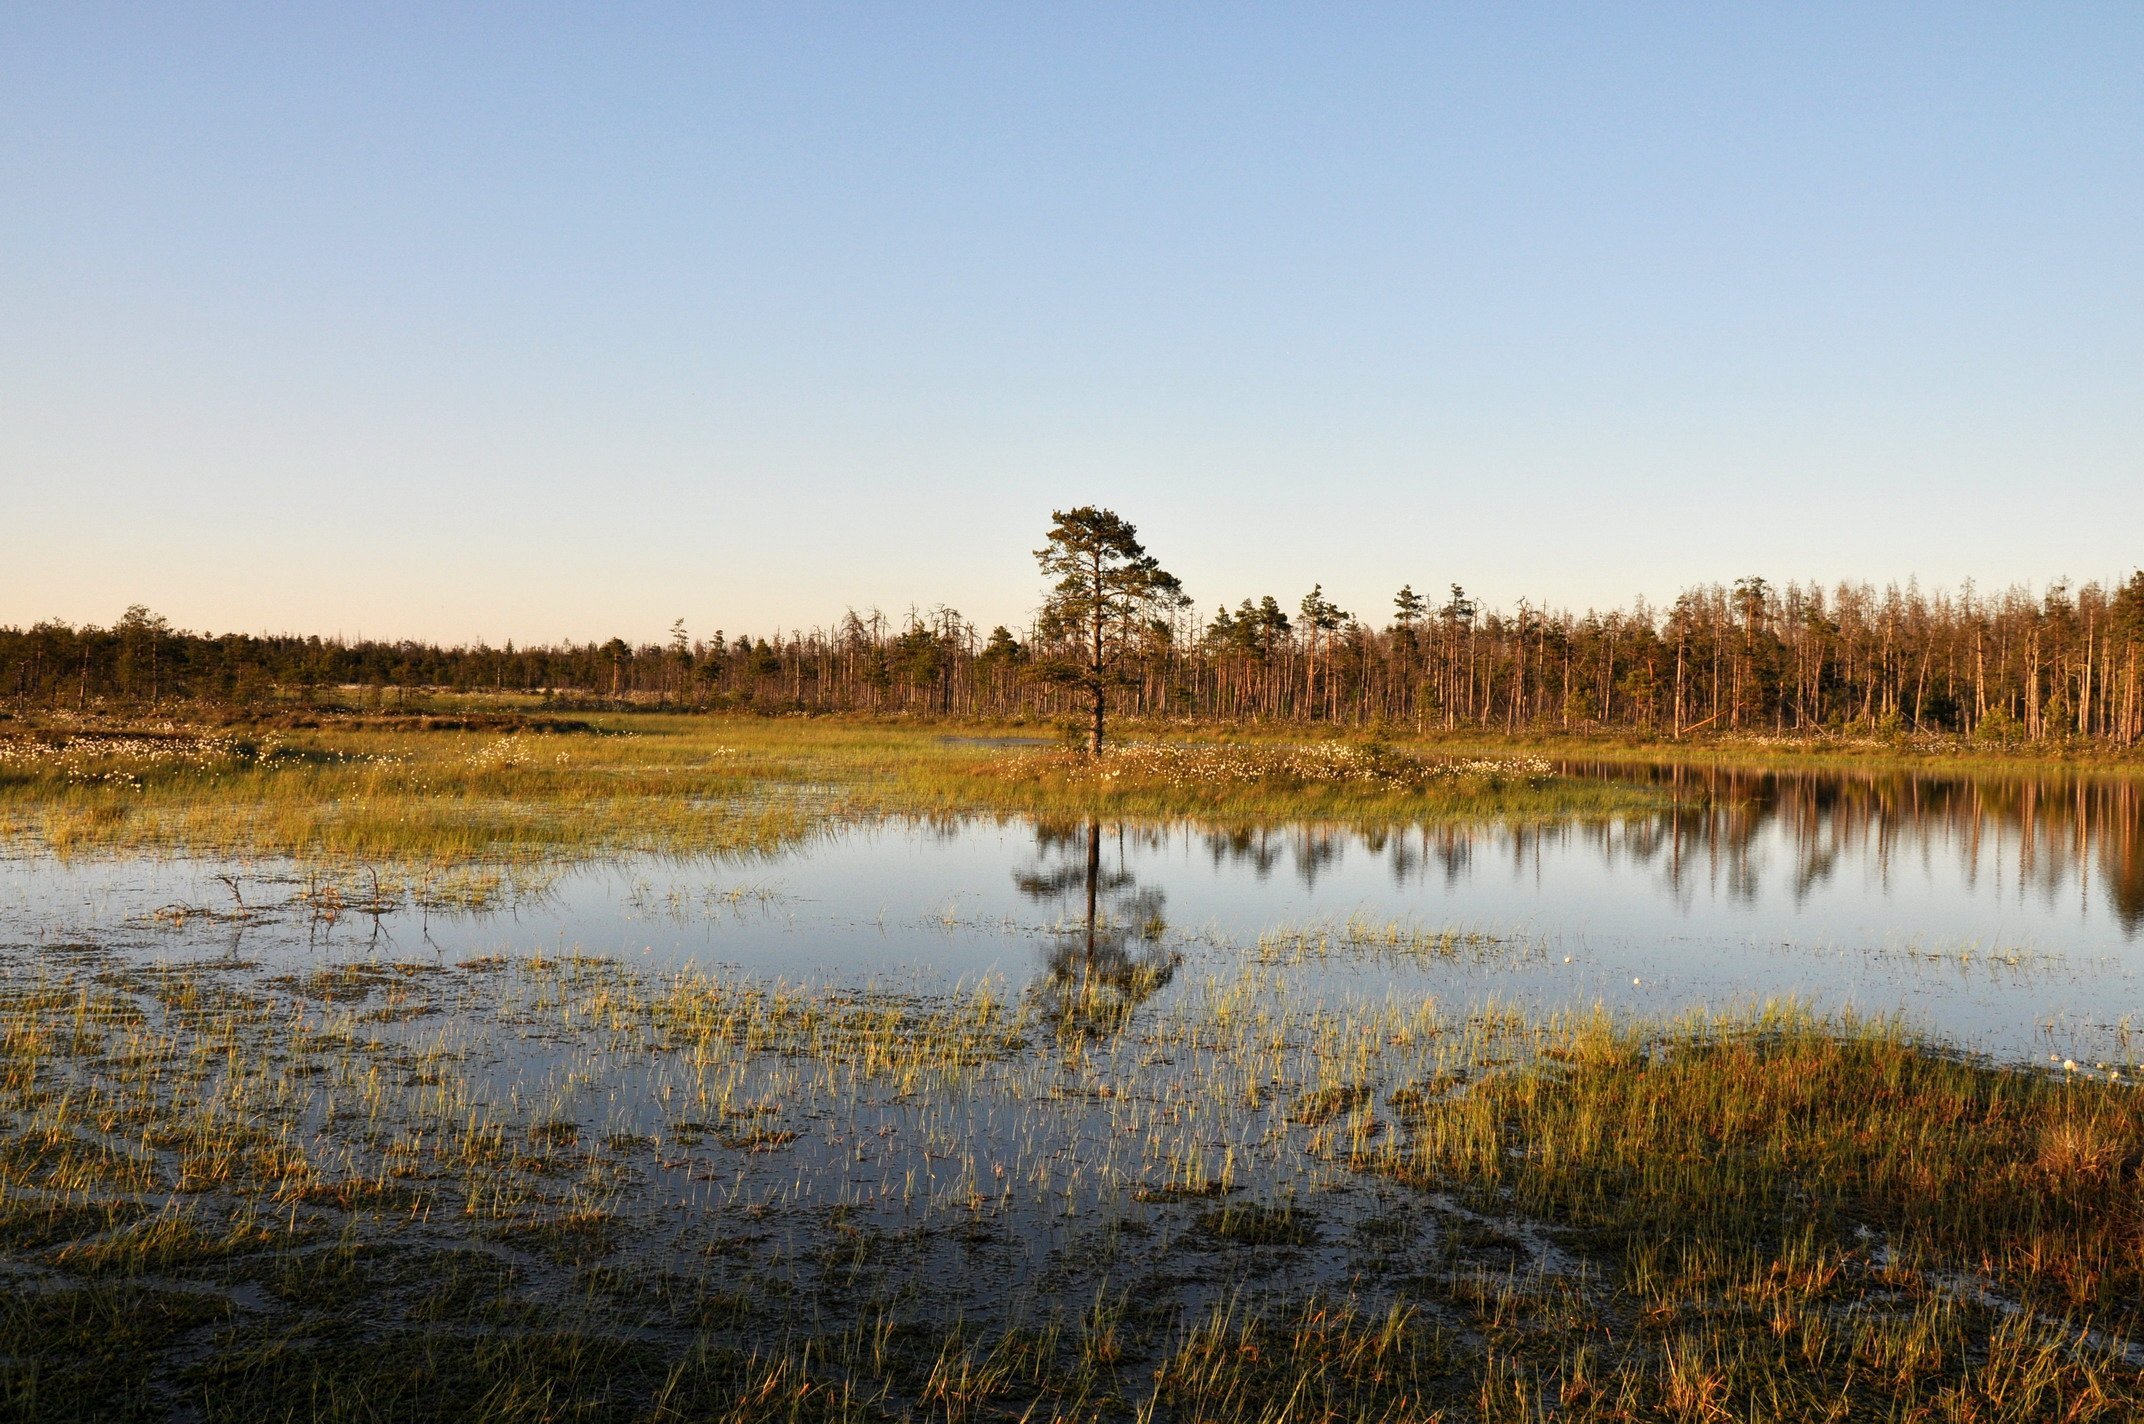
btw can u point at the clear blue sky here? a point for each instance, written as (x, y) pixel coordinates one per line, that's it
(529, 321)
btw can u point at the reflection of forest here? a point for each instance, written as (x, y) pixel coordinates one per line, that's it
(2045, 834)
(1108, 959)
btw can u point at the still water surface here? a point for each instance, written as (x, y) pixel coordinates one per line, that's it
(2006, 914)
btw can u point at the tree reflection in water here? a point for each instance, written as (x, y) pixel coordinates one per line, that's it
(2043, 832)
(1728, 831)
(1109, 961)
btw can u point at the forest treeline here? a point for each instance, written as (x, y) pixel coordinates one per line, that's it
(2065, 663)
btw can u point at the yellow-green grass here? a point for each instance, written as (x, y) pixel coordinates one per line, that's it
(685, 785)
(1788, 751)
(412, 1191)
(1713, 746)
(1725, 1165)
(1246, 781)
(1716, 742)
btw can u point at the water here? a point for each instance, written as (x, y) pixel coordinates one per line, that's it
(2005, 914)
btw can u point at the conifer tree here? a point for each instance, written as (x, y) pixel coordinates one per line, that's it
(1108, 597)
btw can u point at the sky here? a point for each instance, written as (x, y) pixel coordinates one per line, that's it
(526, 321)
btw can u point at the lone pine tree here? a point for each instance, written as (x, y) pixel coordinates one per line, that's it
(1109, 598)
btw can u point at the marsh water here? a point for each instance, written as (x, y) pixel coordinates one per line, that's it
(2005, 914)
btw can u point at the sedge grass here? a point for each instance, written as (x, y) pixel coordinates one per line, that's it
(685, 785)
(558, 1187)
(1759, 751)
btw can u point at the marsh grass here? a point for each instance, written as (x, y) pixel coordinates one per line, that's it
(662, 784)
(1393, 941)
(1705, 1157)
(1763, 751)
(510, 785)
(574, 1190)
(684, 785)
(1241, 782)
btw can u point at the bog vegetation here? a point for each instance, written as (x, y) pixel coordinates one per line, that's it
(493, 786)
(559, 1188)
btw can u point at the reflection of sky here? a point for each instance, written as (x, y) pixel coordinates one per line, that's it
(1833, 898)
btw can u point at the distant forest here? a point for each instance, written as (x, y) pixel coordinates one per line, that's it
(1754, 657)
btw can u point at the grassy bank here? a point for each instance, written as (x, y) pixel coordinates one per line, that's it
(499, 787)
(562, 1189)
(1757, 751)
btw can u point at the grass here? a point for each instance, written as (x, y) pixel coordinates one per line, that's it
(681, 785)
(1810, 1216)
(561, 1188)
(354, 791)
(1235, 782)
(510, 784)
(1790, 751)
(1390, 942)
